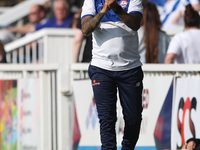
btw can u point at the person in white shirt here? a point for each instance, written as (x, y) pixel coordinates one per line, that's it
(185, 46)
(115, 66)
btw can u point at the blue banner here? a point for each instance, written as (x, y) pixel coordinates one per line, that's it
(162, 133)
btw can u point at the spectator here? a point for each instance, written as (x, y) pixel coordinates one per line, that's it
(173, 11)
(62, 18)
(184, 47)
(153, 42)
(78, 40)
(2, 53)
(36, 17)
(192, 144)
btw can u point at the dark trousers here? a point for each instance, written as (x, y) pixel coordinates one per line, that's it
(129, 85)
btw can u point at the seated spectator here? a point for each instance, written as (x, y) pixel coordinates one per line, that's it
(2, 53)
(153, 42)
(173, 11)
(192, 144)
(36, 17)
(62, 18)
(184, 47)
(78, 40)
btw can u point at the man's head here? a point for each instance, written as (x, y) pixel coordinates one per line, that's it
(37, 14)
(61, 9)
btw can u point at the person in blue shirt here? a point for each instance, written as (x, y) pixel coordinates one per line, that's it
(62, 18)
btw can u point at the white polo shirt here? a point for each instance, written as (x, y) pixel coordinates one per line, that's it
(187, 46)
(115, 45)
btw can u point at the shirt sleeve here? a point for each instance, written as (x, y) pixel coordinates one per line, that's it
(175, 46)
(88, 8)
(135, 6)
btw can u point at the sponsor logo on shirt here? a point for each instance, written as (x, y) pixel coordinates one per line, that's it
(95, 83)
(123, 3)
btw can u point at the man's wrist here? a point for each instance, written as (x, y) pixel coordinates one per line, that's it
(102, 12)
(117, 9)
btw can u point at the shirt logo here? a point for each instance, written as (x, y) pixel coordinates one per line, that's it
(123, 3)
(100, 5)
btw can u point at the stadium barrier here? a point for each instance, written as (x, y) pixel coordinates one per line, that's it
(40, 119)
(49, 46)
(171, 106)
(75, 110)
(28, 106)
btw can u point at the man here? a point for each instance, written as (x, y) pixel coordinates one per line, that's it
(62, 18)
(115, 66)
(36, 17)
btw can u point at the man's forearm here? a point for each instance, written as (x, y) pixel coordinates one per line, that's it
(90, 23)
(23, 29)
(133, 20)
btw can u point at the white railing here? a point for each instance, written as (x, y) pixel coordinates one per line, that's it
(56, 107)
(49, 46)
(157, 80)
(80, 70)
(44, 47)
(48, 102)
(4, 9)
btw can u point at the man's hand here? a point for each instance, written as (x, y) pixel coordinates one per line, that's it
(105, 8)
(89, 23)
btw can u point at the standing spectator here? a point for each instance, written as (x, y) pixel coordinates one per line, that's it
(184, 47)
(2, 53)
(153, 42)
(78, 40)
(173, 12)
(115, 66)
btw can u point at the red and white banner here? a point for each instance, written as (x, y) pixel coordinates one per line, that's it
(186, 111)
